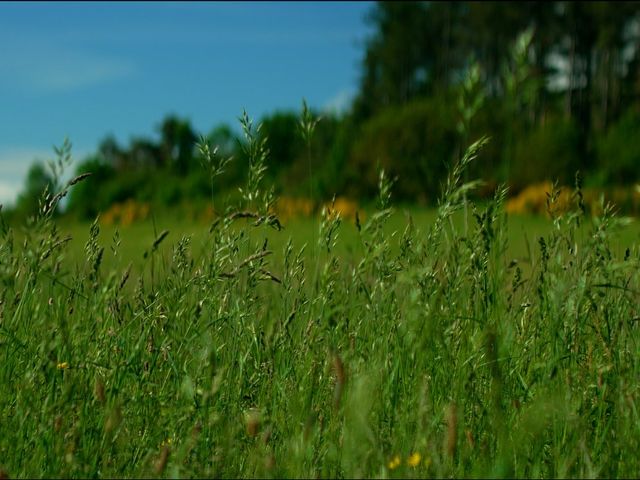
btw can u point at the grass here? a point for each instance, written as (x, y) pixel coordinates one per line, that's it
(325, 351)
(133, 240)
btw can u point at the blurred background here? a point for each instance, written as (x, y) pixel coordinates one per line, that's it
(403, 86)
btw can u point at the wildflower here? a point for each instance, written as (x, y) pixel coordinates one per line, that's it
(394, 462)
(63, 365)
(414, 459)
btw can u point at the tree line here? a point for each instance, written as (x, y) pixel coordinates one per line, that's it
(556, 85)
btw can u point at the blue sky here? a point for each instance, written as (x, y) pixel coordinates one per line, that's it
(86, 70)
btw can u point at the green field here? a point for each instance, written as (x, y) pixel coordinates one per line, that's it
(522, 232)
(426, 348)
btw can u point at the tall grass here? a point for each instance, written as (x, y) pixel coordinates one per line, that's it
(427, 353)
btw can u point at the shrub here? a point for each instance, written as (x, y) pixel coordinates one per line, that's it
(38, 180)
(88, 198)
(412, 142)
(548, 152)
(617, 154)
(125, 213)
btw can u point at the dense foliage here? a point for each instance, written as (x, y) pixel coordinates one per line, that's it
(555, 85)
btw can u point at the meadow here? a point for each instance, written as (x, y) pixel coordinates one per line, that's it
(523, 231)
(454, 342)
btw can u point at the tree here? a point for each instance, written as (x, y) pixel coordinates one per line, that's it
(112, 154)
(393, 67)
(176, 144)
(89, 197)
(144, 153)
(414, 143)
(223, 138)
(37, 182)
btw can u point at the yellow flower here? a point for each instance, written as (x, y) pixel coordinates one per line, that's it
(394, 463)
(414, 459)
(63, 366)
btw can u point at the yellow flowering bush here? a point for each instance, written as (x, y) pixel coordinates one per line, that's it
(344, 207)
(533, 199)
(290, 207)
(125, 213)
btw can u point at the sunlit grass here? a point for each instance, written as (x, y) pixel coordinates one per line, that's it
(405, 344)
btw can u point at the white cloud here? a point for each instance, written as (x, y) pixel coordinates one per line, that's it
(15, 163)
(17, 160)
(8, 193)
(48, 68)
(340, 103)
(78, 73)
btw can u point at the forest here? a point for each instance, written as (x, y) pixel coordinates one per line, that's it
(554, 85)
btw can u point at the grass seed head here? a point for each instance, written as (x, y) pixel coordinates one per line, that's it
(113, 420)
(341, 379)
(99, 392)
(470, 439)
(252, 422)
(57, 423)
(452, 430)
(161, 463)
(270, 462)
